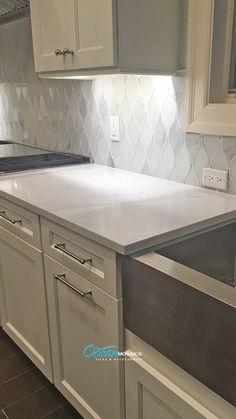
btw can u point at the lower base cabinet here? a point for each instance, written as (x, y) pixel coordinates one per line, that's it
(23, 299)
(79, 323)
(151, 395)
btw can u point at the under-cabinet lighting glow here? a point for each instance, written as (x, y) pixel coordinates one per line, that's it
(96, 76)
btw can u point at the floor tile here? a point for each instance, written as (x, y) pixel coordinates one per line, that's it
(2, 334)
(12, 367)
(24, 391)
(20, 387)
(64, 412)
(7, 350)
(37, 404)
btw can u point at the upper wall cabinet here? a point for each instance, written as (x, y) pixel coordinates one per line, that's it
(74, 37)
(72, 34)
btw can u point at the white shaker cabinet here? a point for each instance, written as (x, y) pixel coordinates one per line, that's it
(94, 387)
(76, 37)
(23, 299)
(72, 34)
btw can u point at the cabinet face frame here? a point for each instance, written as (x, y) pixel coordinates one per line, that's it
(205, 117)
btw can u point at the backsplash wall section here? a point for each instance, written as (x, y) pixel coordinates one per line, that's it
(74, 115)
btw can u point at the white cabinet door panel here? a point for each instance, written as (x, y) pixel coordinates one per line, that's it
(23, 299)
(85, 27)
(50, 31)
(91, 34)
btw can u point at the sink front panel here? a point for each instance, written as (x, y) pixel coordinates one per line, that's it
(192, 329)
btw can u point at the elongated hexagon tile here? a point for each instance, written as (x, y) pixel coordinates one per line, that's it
(146, 88)
(153, 110)
(139, 112)
(200, 160)
(132, 88)
(229, 147)
(126, 111)
(119, 88)
(146, 134)
(152, 160)
(184, 162)
(139, 155)
(219, 160)
(211, 145)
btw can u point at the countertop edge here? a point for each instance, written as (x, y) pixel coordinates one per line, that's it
(144, 245)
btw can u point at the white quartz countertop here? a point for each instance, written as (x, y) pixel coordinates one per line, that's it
(121, 210)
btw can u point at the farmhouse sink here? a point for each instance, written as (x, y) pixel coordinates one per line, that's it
(181, 299)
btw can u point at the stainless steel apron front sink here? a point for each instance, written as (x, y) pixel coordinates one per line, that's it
(181, 300)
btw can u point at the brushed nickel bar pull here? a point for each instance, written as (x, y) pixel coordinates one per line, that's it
(13, 221)
(62, 248)
(61, 278)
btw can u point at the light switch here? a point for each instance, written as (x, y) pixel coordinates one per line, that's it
(114, 128)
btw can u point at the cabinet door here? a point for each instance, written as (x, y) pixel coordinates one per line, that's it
(151, 395)
(23, 299)
(49, 19)
(85, 27)
(93, 386)
(91, 34)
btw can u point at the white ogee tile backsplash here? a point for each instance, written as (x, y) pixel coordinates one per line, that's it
(74, 116)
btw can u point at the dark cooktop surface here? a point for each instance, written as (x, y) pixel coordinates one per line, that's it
(39, 161)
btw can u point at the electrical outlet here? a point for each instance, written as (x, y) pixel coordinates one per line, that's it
(216, 179)
(114, 128)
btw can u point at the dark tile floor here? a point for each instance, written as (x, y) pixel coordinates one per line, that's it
(24, 391)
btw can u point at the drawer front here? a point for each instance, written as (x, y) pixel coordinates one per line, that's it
(90, 260)
(21, 222)
(82, 315)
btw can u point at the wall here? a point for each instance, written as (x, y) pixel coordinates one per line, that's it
(74, 116)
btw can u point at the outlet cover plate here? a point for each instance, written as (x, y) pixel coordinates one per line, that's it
(215, 179)
(114, 128)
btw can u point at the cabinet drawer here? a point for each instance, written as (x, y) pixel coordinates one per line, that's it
(82, 315)
(90, 260)
(21, 222)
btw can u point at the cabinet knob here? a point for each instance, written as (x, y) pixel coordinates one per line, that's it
(59, 52)
(68, 51)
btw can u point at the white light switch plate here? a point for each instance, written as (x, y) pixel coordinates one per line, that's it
(114, 128)
(216, 179)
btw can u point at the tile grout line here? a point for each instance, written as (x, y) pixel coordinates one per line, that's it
(52, 411)
(6, 359)
(25, 397)
(13, 378)
(5, 414)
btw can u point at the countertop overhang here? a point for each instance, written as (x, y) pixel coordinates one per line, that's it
(124, 211)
